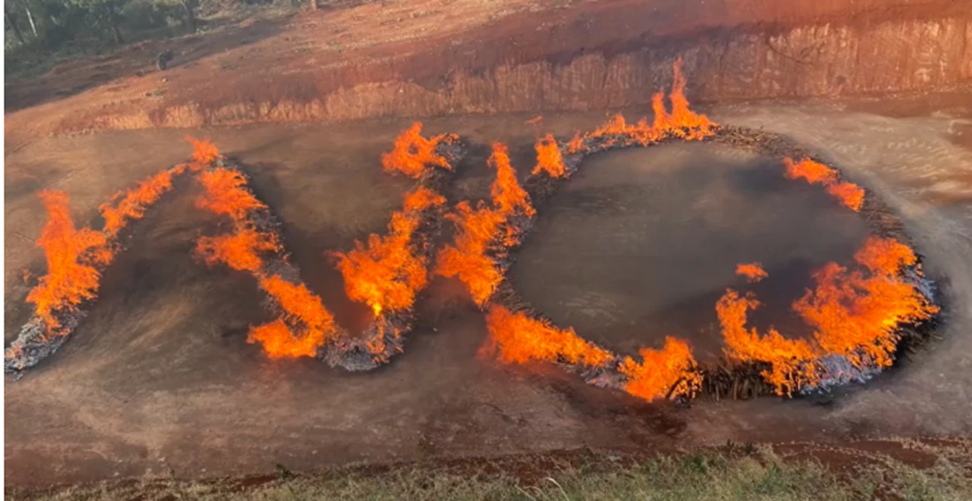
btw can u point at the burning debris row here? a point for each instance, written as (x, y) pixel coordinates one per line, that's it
(386, 273)
(860, 314)
(76, 259)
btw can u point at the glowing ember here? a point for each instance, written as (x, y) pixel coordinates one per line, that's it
(856, 312)
(849, 194)
(517, 338)
(388, 272)
(792, 362)
(71, 258)
(413, 154)
(131, 204)
(549, 159)
(664, 373)
(753, 272)
(225, 194)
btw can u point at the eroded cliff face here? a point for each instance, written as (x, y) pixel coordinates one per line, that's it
(419, 59)
(812, 60)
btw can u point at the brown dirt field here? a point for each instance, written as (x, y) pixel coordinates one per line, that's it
(158, 380)
(434, 57)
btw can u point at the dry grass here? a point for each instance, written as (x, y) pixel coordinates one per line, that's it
(758, 475)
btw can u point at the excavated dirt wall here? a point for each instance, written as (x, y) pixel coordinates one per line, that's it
(423, 59)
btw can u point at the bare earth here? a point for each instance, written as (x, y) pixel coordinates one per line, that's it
(159, 379)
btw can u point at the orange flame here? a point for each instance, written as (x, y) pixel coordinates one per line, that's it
(549, 159)
(204, 153)
(485, 229)
(508, 196)
(131, 204)
(576, 144)
(792, 361)
(682, 122)
(753, 272)
(467, 257)
(849, 194)
(240, 250)
(71, 255)
(306, 325)
(413, 154)
(388, 272)
(856, 312)
(662, 373)
(225, 194)
(517, 338)
(302, 306)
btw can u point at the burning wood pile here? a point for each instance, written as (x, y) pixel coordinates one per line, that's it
(857, 312)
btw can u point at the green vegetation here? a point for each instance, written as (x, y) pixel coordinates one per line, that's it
(747, 475)
(41, 33)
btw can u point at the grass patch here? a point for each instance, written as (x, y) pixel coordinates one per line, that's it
(759, 474)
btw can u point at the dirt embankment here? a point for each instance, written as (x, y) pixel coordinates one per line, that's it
(443, 56)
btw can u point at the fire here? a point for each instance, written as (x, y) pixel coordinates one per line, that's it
(389, 271)
(225, 194)
(508, 196)
(682, 122)
(306, 324)
(753, 272)
(279, 342)
(849, 194)
(662, 373)
(792, 362)
(413, 154)
(204, 153)
(517, 338)
(467, 258)
(131, 204)
(484, 234)
(576, 144)
(240, 250)
(72, 255)
(549, 159)
(855, 312)
(299, 305)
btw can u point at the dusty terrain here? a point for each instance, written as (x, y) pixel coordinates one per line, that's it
(160, 380)
(643, 242)
(436, 57)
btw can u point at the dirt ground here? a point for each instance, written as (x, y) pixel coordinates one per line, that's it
(643, 242)
(158, 380)
(357, 60)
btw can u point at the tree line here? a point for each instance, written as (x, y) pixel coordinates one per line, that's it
(54, 24)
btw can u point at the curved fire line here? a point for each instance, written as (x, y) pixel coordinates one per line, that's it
(726, 378)
(61, 299)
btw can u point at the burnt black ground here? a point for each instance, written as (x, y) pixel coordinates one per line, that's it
(159, 379)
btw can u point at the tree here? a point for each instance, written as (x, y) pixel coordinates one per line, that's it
(190, 8)
(13, 24)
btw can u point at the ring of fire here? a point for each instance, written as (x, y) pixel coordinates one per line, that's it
(859, 314)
